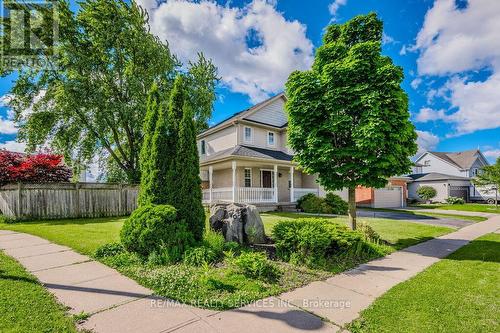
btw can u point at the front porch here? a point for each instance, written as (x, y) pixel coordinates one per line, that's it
(255, 183)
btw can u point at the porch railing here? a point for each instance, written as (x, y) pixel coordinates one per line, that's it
(251, 194)
(255, 194)
(218, 194)
(300, 192)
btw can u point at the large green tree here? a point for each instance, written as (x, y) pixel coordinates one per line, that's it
(489, 178)
(90, 100)
(348, 115)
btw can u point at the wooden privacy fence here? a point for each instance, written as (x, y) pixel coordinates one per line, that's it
(67, 200)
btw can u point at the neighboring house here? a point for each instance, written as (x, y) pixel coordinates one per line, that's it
(245, 158)
(395, 194)
(449, 173)
(463, 164)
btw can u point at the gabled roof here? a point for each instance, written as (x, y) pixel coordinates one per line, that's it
(241, 115)
(420, 177)
(247, 151)
(462, 159)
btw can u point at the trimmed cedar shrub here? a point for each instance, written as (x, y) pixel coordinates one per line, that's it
(148, 165)
(336, 203)
(315, 242)
(426, 192)
(331, 204)
(304, 198)
(152, 228)
(187, 183)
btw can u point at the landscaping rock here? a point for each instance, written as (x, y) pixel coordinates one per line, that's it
(217, 215)
(254, 228)
(238, 223)
(234, 224)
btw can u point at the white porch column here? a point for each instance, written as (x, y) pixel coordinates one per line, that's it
(210, 176)
(275, 183)
(292, 169)
(233, 164)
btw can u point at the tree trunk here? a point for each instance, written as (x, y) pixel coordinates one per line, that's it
(352, 207)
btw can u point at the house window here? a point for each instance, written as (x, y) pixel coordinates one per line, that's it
(203, 147)
(270, 139)
(248, 177)
(248, 134)
(427, 163)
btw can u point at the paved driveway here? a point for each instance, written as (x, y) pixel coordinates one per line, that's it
(439, 221)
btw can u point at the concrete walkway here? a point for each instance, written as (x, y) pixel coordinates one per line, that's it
(118, 304)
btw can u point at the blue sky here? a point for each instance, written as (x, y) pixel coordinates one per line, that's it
(449, 49)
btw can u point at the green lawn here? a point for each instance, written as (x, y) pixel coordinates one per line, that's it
(217, 283)
(484, 208)
(25, 305)
(399, 234)
(86, 235)
(83, 235)
(458, 294)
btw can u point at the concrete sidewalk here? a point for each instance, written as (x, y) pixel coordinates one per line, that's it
(119, 304)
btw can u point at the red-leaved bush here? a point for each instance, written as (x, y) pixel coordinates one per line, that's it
(38, 168)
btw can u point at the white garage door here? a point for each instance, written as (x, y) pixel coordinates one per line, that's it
(389, 197)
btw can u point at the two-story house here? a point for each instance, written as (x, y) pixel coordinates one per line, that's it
(462, 164)
(245, 158)
(449, 173)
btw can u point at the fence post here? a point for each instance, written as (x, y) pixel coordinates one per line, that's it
(120, 204)
(77, 199)
(19, 199)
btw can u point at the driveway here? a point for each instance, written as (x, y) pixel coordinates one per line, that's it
(402, 216)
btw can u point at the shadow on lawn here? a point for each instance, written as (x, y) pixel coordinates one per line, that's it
(17, 278)
(76, 221)
(407, 242)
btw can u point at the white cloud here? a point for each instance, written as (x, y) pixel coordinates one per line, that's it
(5, 99)
(455, 41)
(493, 154)
(386, 39)
(7, 126)
(416, 82)
(426, 141)
(428, 114)
(335, 6)
(13, 146)
(223, 33)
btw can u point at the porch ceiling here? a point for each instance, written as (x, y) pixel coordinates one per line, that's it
(249, 163)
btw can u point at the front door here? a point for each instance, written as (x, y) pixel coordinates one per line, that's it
(267, 179)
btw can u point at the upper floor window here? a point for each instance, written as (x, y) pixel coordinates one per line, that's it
(248, 177)
(248, 134)
(427, 163)
(271, 139)
(203, 148)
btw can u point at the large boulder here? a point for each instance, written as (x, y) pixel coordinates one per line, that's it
(238, 222)
(254, 228)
